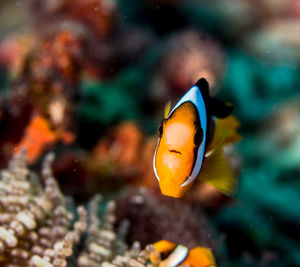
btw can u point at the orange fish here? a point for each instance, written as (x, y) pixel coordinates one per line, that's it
(190, 144)
(180, 255)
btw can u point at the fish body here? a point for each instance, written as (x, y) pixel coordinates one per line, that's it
(186, 136)
(179, 255)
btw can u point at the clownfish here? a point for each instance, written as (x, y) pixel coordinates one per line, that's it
(178, 255)
(190, 143)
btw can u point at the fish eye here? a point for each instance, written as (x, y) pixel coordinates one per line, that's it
(160, 129)
(198, 137)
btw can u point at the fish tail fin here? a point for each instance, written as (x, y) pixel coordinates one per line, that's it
(217, 173)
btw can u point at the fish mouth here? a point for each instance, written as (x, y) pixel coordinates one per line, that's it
(175, 151)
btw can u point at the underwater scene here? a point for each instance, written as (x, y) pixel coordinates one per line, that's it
(155, 133)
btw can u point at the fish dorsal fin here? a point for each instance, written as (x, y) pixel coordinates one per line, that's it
(164, 246)
(167, 109)
(217, 173)
(219, 108)
(203, 86)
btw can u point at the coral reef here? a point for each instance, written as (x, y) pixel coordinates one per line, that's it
(35, 222)
(191, 56)
(46, 67)
(104, 247)
(45, 87)
(37, 227)
(122, 157)
(98, 16)
(153, 217)
(125, 153)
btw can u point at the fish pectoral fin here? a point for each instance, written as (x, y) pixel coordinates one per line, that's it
(214, 149)
(226, 131)
(216, 170)
(230, 126)
(217, 173)
(167, 109)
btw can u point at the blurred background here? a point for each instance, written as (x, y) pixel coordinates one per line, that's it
(88, 79)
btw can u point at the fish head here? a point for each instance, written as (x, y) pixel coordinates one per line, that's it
(177, 149)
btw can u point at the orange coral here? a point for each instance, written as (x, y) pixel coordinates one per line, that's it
(190, 56)
(39, 136)
(67, 53)
(13, 52)
(127, 152)
(123, 145)
(98, 15)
